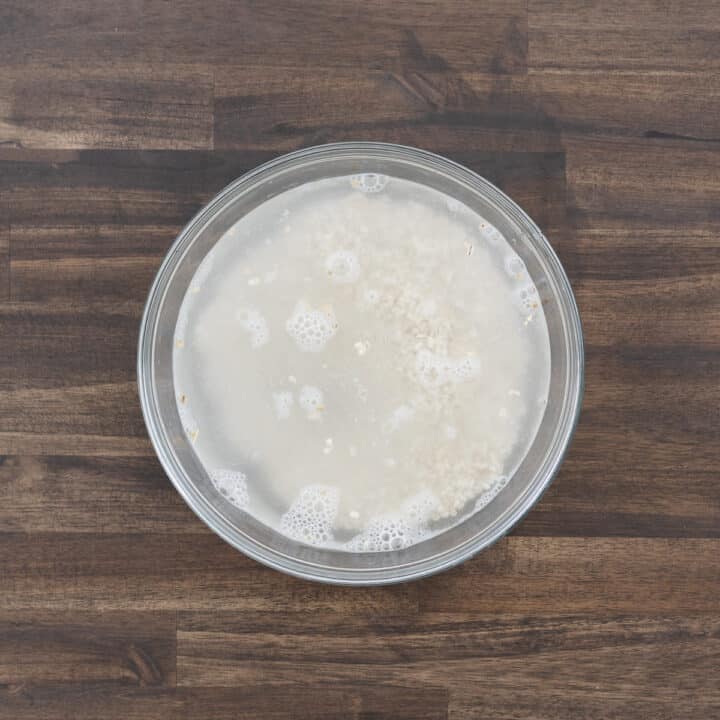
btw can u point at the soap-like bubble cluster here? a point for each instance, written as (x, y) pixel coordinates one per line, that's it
(311, 329)
(310, 400)
(283, 402)
(311, 517)
(254, 325)
(434, 370)
(395, 532)
(342, 267)
(369, 182)
(232, 485)
(491, 492)
(420, 508)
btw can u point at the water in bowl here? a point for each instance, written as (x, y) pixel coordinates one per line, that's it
(360, 362)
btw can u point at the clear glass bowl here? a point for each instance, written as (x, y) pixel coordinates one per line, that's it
(157, 395)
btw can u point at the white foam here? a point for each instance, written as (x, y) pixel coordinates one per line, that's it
(311, 516)
(232, 485)
(342, 267)
(369, 182)
(254, 325)
(283, 402)
(310, 400)
(395, 532)
(492, 492)
(311, 329)
(433, 369)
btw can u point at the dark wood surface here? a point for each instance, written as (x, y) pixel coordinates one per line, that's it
(119, 120)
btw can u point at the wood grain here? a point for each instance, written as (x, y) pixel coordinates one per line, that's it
(610, 187)
(115, 571)
(507, 666)
(107, 106)
(245, 702)
(374, 34)
(616, 35)
(414, 103)
(91, 495)
(86, 265)
(102, 187)
(4, 263)
(583, 575)
(160, 571)
(267, 108)
(118, 121)
(122, 649)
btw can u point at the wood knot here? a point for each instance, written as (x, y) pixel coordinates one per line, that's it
(143, 666)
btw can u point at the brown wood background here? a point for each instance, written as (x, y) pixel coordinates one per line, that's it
(118, 120)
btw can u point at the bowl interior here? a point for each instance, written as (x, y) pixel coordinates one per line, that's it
(155, 374)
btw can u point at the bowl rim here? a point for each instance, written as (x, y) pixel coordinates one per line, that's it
(271, 557)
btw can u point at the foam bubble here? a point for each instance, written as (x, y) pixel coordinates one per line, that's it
(232, 485)
(254, 325)
(369, 182)
(395, 532)
(311, 517)
(283, 402)
(310, 400)
(311, 329)
(342, 267)
(420, 507)
(491, 492)
(434, 370)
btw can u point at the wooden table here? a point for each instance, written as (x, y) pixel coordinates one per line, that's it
(118, 120)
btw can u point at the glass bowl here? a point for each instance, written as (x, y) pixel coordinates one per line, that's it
(157, 394)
